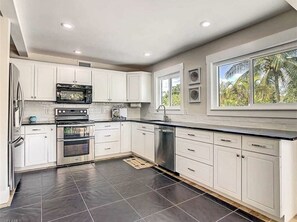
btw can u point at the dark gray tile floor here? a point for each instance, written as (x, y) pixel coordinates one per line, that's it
(113, 191)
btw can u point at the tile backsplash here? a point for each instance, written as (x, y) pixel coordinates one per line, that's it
(44, 111)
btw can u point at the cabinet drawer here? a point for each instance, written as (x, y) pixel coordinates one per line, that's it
(260, 145)
(107, 125)
(102, 136)
(146, 127)
(36, 129)
(102, 149)
(227, 139)
(194, 150)
(197, 135)
(194, 170)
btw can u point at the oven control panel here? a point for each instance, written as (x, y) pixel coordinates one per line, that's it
(71, 112)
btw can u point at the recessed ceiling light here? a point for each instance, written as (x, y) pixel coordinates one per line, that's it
(147, 54)
(67, 26)
(205, 23)
(77, 51)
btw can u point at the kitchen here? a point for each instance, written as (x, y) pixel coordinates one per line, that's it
(86, 100)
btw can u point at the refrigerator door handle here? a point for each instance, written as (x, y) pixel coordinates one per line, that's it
(19, 142)
(20, 98)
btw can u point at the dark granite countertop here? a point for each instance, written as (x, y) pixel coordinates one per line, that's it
(275, 134)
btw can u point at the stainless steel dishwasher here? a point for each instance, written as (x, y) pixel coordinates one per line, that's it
(165, 147)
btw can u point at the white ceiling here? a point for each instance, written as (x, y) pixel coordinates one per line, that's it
(121, 31)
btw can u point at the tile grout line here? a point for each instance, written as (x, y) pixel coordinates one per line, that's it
(123, 198)
(175, 205)
(82, 199)
(67, 216)
(225, 216)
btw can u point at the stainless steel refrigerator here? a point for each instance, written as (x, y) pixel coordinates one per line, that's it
(15, 117)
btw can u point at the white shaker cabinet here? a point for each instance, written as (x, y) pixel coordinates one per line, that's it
(74, 75)
(109, 86)
(38, 80)
(149, 146)
(125, 137)
(261, 181)
(139, 87)
(45, 82)
(52, 151)
(227, 171)
(36, 147)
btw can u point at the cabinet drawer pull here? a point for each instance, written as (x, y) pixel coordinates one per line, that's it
(143, 134)
(258, 145)
(107, 135)
(143, 127)
(237, 155)
(107, 148)
(36, 129)
(191, 169)
(191, 150)
(242, 156)
(225, 140)
(191, 134)
(107, 126)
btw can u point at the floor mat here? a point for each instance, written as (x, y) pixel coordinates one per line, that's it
(138, 163)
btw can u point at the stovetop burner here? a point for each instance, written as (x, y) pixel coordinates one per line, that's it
(72, 116)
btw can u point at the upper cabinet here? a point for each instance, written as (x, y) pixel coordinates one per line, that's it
(38, 80)
(73, 75)
(109, 86)
(139, 87)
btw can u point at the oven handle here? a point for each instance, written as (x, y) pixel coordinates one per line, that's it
(76, 125)
(80, 139)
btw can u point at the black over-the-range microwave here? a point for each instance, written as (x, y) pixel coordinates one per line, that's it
(74, 94)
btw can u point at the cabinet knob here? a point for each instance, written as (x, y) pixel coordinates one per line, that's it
(45, 136)
(32, 97)
(237, 155)
(242, 156)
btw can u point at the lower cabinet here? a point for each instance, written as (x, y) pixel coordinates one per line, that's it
(227, 171)
(107, 139)
(202, 173)
(261, 181)
(143, 141)
(125, 137)
(36, 147)
(39, 147)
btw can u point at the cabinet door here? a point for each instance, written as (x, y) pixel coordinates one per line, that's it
(117, 87)
(45, 82)
(100, 86)
(138, 142)
(133, 91)
(83, 76)
(149, 146)
(26, 70)
(260, 182)
(125, 137)
(66, 75)
(227, 171)
(52, 156)
(36, 149)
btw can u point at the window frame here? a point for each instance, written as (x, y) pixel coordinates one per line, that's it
(266, 46)
(169, 73)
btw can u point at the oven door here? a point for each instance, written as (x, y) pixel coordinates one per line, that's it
(75, 144)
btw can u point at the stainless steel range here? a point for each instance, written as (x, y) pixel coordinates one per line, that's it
(75, 136)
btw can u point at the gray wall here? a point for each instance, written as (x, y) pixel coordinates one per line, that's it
(197, 58)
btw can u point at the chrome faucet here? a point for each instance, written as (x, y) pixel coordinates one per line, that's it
(165, 117)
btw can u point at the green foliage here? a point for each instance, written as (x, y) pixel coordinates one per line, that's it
(175, 96)
(275, 81)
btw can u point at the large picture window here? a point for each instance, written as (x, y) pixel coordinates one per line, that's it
(168, 88)
(258, 80)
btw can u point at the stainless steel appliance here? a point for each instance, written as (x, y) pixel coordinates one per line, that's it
(165, 147)
(75, 136)
(15, 117)
(74, 94)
